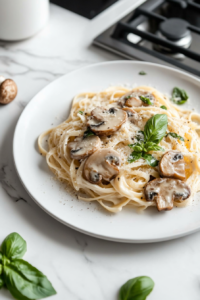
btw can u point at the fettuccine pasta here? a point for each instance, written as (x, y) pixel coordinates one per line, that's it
(127, 188)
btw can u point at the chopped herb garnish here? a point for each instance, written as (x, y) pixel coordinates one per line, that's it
(163, 107)
(142, 73)
(140, 136)
(145, 100)
(127, 97)
(88, 133)
(80, 112)
(179, 96)
(176, 136)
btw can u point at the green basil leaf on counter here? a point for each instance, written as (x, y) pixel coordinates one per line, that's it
(14, 246)
(142, 73)
(26, 282)
(137, 288)
(150, 159)
(88, 133)
(1, 282)
(179, 96)
(137, 147)
(134, 156)
(145, 100)
(176, 136)
(155, 128)
(150, 146)
(163, 107)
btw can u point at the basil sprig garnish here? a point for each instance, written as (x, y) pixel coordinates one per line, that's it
(22, 279)
(179, 96)
(163, 107)
(145, 100)
(154, 131)
(80, 112)
(155, 128)
(175, 136)
(137, 288)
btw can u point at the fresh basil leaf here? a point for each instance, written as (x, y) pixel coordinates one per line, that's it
(137, 288)
(1, 257)
(176, 136)
(134, 156)
(80, 112)
(1, 282)
(150, 159)
(150, 146)
(26, 282)
(142, 73)
(145, 100)
(155, 128)
(179, 96)
(163, 107)
(137, 147)
(88, 133)
(14, 246)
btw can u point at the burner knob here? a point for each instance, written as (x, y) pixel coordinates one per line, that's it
(174, 29)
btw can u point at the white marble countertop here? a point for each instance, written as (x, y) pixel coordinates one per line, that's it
(80, 267)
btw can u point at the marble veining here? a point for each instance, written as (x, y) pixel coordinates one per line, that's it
(80, 267)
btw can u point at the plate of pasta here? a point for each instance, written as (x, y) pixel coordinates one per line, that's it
(112, 150)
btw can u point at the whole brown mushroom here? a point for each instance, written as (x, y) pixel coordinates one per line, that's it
(8, 90)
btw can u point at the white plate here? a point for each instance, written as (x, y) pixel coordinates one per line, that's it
(51, 106)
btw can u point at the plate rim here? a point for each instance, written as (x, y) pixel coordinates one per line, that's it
(100, 236)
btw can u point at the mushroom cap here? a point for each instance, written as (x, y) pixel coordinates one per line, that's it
(82, 147)
(8, 91)
(102, 165)
(132, 115)
(132, 99)
(172, 165)
(165, 191)
(106, 121)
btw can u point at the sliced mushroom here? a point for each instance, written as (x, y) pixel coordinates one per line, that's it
(132, 115)
(8, 90)
(106, 121)
(132, 99)
(103, 165)
(82, 147)
(165, 191)
(172, 165)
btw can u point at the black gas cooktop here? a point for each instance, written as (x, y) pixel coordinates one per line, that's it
(161, 31)
(85, 8)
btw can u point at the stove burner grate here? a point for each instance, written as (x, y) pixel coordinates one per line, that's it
(173, 35)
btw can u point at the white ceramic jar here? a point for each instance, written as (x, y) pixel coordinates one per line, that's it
(21, 19)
